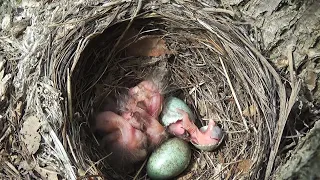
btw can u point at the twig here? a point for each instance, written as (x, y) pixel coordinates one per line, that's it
(280, 127)
(71, 149)
(234, 94)
(290, 58)
(284, 107)
(69, 95)
(14, 170)
(118, 42)
(140, 169)
(219, 10)
(5, 134)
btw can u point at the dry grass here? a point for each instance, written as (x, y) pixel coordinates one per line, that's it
(214, 66)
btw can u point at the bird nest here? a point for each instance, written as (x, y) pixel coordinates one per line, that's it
(202, 55)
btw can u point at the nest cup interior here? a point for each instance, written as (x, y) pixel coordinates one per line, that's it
(197, 65)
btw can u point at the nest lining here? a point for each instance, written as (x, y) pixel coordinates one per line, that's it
(77, 50)
(209, 58)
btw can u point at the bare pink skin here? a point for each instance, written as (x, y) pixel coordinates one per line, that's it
(145, 105)
(136, 131)
(177, 128)
(146, 95)
(155, 131)
(127, 143)
(142, 120)
(196, 136)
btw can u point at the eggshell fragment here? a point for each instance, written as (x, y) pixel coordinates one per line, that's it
(169, 160)
(218, 132)
(170, 114)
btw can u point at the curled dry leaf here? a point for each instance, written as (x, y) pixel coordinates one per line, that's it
(6, 22)
(311, 80)
(281, 63)
(148, 46)
(30, 135)
(244, 165)
(250, 111)
(27, 166)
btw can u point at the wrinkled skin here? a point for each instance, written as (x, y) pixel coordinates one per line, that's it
(154, 130)
(145, 104)
(146, 95)
(186, 126)
(127, 143)
(136, 131)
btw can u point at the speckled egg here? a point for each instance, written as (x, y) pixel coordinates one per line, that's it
(169, 113)
(169, 159)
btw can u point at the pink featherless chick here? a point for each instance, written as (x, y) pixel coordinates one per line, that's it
(211, 135)
(147, 96)
(179, 119)
(127, 144)
(145, 104)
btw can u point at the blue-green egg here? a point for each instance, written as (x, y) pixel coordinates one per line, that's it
(169, 160)
(170, 114)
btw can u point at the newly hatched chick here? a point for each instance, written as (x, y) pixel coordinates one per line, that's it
(147, 96)
(154, 130)
(127, 144)
(129, 126)
(211, 135)
(145, 104)
(178, 117)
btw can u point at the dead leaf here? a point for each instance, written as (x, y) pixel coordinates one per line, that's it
(148, 46)
(250, 111)
(281, 63)
(221, 158)
(46, 174)
(30, 135)
(27, 166)
(17, 112)
(244, 165)
(311, 80)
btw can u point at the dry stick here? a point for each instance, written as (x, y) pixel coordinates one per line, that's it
(234, 94)
(281, 124)
(63, 154)
(69, 94)
(118, 41)
(13, 171)
(5, 134)
(140, 169)
(283, 106)
(71, 149)
(219, 10)
(290, 58)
